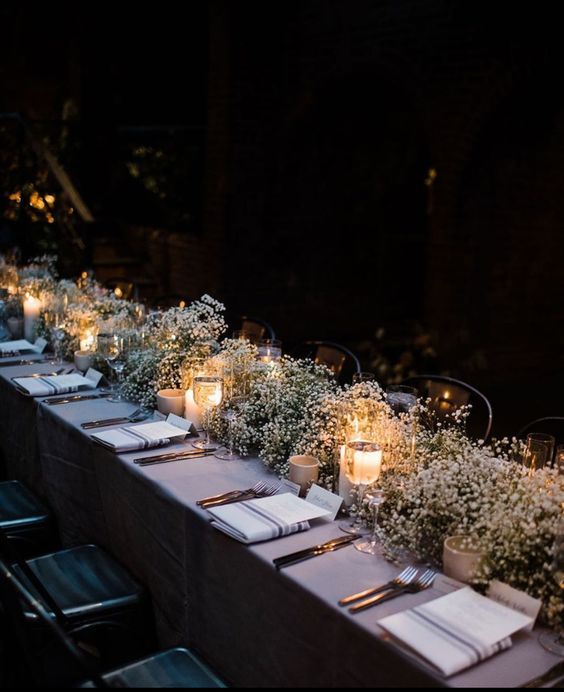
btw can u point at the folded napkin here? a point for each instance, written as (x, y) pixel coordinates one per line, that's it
(265, 518)
(137, 437)
(20, 345)
(458, 630)
(53, 384)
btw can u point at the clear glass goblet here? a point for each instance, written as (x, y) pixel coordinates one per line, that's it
(208, 394)
(230, 415)
(362, 466)
(55, 323)
(374, 545)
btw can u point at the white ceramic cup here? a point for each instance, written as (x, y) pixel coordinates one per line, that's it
(171, 401)
(83, 360)
(304, 470)
(461, 558)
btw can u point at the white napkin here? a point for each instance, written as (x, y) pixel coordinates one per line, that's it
(134, 438)
(54, 384)
(458, 630)
(18, 346)
(265, 518)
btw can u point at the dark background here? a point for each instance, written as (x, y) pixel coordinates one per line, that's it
(384, 173)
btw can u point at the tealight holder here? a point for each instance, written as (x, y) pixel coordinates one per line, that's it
(83, 360)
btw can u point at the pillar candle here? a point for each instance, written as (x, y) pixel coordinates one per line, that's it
(345, 486)
(32, 308)
(192, 411)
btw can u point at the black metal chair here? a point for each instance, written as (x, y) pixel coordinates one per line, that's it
(447, 394)
(253, 328)
(87, 592)
(123, 288)
(29, 525)
(340, 360)
(66, 663)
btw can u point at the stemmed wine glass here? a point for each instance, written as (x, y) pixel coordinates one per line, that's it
(208, 394)
(374, 546)
(55, 323)
(554, 641)
(230, 414)
(113, 348)
(363, 463)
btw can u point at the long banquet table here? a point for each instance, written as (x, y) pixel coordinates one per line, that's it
(255, 626)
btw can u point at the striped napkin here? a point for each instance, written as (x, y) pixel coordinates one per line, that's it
(54, 384)
(266, 518)
(22, 345)
(458, 630)
(138, 437)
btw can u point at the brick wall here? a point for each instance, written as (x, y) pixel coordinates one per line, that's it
(325, 117)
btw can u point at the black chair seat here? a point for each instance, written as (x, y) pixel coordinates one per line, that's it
(85, 583)
(177, 668)
(19, 509)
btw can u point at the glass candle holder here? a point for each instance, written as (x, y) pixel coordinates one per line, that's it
(362, 466)
(539, 450)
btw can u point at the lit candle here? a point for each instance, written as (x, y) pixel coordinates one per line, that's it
(366, 463)
(270, 351)
(87, 342)
(345, 485)
(445, 404)
(192, 411)
(32, 308)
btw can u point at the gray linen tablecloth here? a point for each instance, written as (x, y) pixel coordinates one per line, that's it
(257, 627)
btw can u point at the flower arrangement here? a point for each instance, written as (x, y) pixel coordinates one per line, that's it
(177, 340)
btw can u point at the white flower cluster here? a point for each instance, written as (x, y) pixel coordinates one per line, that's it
(275, 415)
(177, 338)
(178, 329)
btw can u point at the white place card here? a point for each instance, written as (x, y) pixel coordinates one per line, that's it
(289, 487)
(94, 376)
(181, 423)
(324, 499)
(40, 345)
(515, 599)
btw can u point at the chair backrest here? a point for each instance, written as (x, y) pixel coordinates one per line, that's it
(551, 425)
(254, 327)
(447, 394)
(342, 362)
(68, 665)
(122, 287)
